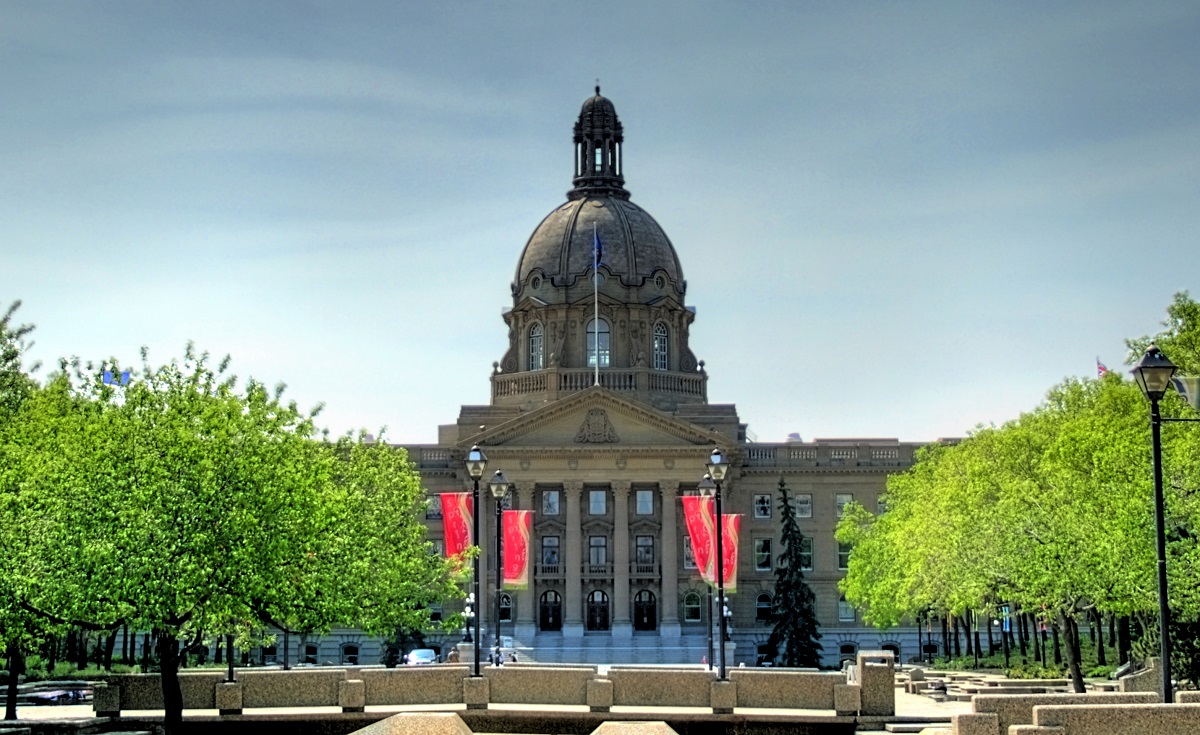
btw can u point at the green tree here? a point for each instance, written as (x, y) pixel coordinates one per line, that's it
(793, 608)
(183, 505)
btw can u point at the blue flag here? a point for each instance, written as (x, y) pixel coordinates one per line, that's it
(597, 250)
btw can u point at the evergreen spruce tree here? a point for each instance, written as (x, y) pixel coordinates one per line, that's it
(793, 609)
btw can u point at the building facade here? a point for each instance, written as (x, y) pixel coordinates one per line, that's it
(600, 419)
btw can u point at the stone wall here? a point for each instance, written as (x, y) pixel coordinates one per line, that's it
(782, 688)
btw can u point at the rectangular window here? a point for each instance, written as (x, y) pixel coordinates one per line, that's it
(645, 502)
(804, 505)
(644, 550)
(806, 554)
(762, 554)
(880, 504)
(434, 511)
(845, 611)
(550, 550)
(597, 502)
(597, 550)
(842, 500)
(550, 502)
(439, 547)
(689, 559)
(843, 556)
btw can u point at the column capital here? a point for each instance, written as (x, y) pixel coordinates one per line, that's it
(668, 488)
(524, 491)
(621, 487)
(573, 487)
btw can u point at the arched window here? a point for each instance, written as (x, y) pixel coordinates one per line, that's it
(847, 652)
(660, 346)
(599, 156)
(598, 343)
(350, 654)
(310, 653)
(762, 608)
(691, 608)
(536, 351)
(505, 607)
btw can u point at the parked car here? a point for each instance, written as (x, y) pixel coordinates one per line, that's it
(421, 656)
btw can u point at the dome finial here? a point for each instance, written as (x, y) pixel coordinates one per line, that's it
(597, 87)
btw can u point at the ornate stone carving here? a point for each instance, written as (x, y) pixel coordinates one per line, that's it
(573, 464)
(669, 463)
(596, 429)
(621, 463)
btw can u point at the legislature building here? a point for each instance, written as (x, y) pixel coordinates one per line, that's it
(600, 419)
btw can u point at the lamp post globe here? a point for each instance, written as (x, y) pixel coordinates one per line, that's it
(499, 487)
(1153, 375)
(476, 465)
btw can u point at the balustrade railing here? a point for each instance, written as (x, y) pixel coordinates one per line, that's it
(564, 381)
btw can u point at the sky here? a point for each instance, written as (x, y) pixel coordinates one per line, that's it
(896, 219)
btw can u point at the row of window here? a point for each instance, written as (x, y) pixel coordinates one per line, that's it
(599, 345)
(762, 608)
(802, 504)
(644, 552)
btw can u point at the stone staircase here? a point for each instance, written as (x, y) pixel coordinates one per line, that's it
(552, 648)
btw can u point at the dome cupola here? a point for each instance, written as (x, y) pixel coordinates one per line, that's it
(598, 140)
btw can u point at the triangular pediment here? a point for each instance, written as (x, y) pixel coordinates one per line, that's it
(596, 419)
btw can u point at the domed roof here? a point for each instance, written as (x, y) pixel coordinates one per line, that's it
(634, 246)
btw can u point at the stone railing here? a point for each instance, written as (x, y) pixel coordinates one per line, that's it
(354, 688)
(865, 454)
(643, 384)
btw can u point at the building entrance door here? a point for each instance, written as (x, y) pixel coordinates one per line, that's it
(597, 611)
(550, 611)
(645, 611)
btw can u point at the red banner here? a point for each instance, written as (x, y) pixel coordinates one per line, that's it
(698, 516)
(729, 548)
(457, 522)
(518, 528)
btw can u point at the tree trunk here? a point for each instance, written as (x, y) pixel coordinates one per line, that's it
(1057, 648)
(1071, 633)
(957, 643)
(52, 655)
(16, 667)
(1037, 643)
(109, 645)
(82, 651)
(1123, 640)
(1101, 656)
(168, 659)
(991, 639)
(1023, 635)
(966, 626)
(945, 639)
(145, 652)
(219, 654)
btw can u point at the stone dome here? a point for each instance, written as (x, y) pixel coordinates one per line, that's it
(635, 248)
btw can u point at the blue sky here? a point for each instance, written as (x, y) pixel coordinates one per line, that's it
(895, 219)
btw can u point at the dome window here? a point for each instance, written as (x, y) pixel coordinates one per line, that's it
(598, 350)
(536, 348)
(599, 157)
(660, 346)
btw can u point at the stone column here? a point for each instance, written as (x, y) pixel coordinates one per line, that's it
(573, 559)
(670, 628)
(525, 628)
(621, 626)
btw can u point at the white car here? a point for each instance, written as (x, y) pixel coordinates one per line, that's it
(421, 656)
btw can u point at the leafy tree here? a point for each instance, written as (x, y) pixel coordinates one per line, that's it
(793, 607)
(183, 505)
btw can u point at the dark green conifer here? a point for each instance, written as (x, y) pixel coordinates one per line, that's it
(793, 609)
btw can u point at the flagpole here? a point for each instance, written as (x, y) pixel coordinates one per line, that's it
(596, 298)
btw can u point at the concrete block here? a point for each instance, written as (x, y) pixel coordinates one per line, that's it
(439, 684)
(1187, 696)
(1034, 730)
(786, 688)
(229, 697)
(1147, 680)
(352, 695)
(634, 728)
(660, 687)
(106, 700)
(476, 692)
(722, 696)
(418, 723)
(976, 723)
(558, 685)
(1017, 709)
(877, 677)
(1120, 719)
(599, 695)
(916, 675)
(317, 687)
(847, 700)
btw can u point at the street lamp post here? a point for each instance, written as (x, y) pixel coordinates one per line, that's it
(476, 465)
(1153, 374)
(717, 467)
(499, 488)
